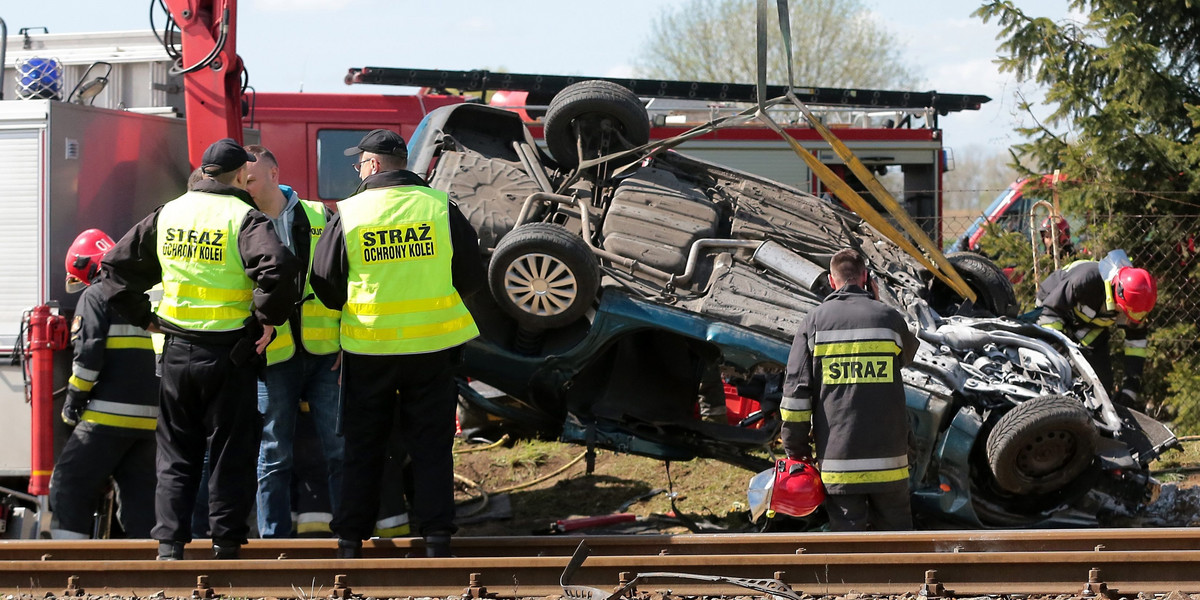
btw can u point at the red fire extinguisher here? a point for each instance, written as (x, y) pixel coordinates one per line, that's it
(47, 332)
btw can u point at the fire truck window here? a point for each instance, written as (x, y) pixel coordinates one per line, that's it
(336, 177)
(1016, 218)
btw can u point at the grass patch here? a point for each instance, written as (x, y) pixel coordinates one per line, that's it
(1177, 465)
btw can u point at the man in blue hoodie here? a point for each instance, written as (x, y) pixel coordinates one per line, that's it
(302, 362)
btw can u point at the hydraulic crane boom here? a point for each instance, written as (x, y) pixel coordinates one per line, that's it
(212, 71)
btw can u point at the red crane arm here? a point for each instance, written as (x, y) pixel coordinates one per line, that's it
(212, 72)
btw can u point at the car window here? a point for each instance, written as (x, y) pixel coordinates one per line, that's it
(336, 177)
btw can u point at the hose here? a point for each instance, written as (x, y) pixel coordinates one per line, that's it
(495, 444)
(483, 496)
(534, 482)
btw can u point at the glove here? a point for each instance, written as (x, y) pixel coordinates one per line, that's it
(73, 409)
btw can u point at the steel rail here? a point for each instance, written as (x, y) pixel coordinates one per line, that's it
(1080, 540)
(891, 573)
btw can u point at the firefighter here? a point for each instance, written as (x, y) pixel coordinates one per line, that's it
(843, 385)
(112, 402)
(397, 260)
(302, 361)
(1086, 299)
(227, 281)
(1056, 226)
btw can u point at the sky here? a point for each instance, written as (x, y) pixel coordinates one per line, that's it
(308, 45)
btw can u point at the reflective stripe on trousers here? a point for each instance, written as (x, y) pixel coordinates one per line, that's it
(864, 470)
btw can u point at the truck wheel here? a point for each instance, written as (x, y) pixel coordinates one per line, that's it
(994, 292)
(1041, 445)
(543, 275)
(600, 110)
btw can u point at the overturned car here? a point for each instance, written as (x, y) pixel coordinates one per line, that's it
(622, 290)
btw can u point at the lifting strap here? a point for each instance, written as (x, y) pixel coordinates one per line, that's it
(930, 257)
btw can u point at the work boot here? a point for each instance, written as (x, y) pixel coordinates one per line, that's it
(349, 549)
(170, 551)
(437, 545)
(226, 550)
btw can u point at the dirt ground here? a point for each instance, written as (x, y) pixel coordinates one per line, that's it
(711, 493)
(552, 484)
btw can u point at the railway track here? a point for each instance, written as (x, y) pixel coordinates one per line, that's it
(963, 562)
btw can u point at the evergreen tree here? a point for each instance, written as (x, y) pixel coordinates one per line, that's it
(1122, 86)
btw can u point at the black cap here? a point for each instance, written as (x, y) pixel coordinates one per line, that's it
(381, 141)
(225, 156)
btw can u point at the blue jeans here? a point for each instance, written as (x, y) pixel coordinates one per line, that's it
(282, 387)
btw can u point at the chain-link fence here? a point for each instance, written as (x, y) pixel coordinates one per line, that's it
(1167, 246)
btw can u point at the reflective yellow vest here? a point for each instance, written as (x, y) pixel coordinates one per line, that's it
(205, 287)
(401, 298)
(319, 325)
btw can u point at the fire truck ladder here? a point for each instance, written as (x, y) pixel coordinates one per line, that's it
(548, 85)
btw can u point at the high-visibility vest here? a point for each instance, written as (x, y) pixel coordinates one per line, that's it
(205, 287)
(401, 297)
(319, 325)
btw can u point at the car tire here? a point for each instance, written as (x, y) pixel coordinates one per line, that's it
(543, 275)
(1041, 445)
(993, 291)
(591, 104)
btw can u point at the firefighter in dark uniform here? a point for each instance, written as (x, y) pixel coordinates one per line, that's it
(397, 260)
(1086, 299)
(843, 386)
(227, 281)
(112, 402)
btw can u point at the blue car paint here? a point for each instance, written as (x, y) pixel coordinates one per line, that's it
(535, 377)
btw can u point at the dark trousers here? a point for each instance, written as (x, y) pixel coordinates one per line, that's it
(882, 511)
(205, 403)
(1100, 358)
(419, 392)
(88, 459)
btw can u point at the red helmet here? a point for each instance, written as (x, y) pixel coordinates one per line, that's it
(798, 490)
(1136, 292)
(83, 258)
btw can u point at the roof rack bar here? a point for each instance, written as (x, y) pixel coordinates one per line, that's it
(481, 80)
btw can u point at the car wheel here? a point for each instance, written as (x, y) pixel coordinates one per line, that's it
(543, 275)
(994, 292)
(599, 109)
(1041, 445)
